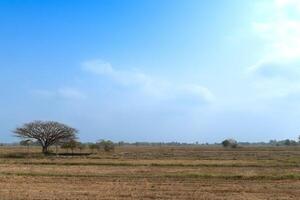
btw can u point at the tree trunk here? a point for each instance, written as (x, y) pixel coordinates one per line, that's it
(56, 149)
(45, 150)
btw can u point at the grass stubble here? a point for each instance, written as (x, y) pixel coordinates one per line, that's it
(153, 173)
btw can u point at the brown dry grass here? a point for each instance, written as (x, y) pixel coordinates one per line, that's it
(153, 173)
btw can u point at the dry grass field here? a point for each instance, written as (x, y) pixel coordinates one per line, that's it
(153, 173)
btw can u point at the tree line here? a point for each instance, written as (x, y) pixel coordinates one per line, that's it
(50, 133)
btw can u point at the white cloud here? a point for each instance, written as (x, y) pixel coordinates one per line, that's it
(64, 92)
(99, 67)
(197, 91)
(285, 69)
(43, 93)
(148, 85)
(285, 3)
(278, 69)
(280, 31)
(125, 78)
(70, 93)
(277, 88)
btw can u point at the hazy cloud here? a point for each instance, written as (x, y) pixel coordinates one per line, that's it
(278, 70)
(71, 93)
(286, 69)
(64, 92)
(148, 85)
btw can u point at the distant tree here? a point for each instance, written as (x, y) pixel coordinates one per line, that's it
(81, 146)
(70, 144)
(121, 143)
(65, 146)
(287, 142)
(273, 142)
(230, 143)
(226, 143)
(294, 143)
(47, 133)
(106, 145)
(26, 143)
(92, 147)
(109, 146)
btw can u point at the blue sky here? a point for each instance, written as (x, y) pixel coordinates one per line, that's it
(152, 70)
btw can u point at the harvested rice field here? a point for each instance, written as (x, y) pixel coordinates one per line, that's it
(152, 173)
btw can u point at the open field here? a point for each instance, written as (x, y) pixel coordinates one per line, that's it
(153, 173)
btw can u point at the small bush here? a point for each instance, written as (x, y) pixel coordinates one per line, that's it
(107, 145)
(230, 143)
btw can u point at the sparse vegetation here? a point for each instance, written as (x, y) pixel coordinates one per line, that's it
(172, 168)
(70, 144)
(81, 146)
(93, 147)
(106, 145)
(152, 172)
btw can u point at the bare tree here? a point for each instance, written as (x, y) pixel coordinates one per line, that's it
(46, 133)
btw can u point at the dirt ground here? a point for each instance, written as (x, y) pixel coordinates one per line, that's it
(153, 173)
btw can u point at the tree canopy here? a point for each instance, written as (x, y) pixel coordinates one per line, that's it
(46, 133)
